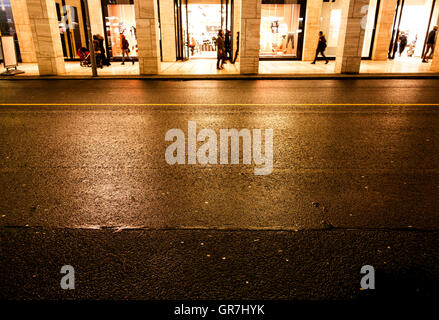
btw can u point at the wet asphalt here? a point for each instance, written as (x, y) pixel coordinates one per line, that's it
(84, 182)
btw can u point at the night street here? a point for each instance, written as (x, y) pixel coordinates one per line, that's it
(84, 182)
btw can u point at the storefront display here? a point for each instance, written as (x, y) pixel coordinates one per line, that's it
(204, 23)
(71, 26)
(119, 17)
(197, 23)
(7, 27)
(281, 28)
(413, 20)
(330, 23)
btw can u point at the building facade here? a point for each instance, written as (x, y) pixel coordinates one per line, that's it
(51, 32)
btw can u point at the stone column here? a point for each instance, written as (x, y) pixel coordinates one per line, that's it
(96, 22)
(249, 36)
(147, 36)
(312, 28)
(24, 31)
(45, 36)
(435, 61)
(236, 26)
(383, 31)
(350, 41)
(167, 28)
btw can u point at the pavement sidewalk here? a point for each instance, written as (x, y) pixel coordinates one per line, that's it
(323, 76)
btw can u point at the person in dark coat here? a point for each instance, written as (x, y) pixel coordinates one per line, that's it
(105, 60)
(321, 47)
(125, 46)
(228, 45)
(431, 40)
(220, 50)
(402, 43)
(97, 50)
(237, 48)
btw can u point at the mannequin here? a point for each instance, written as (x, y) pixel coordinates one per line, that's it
(290, 38)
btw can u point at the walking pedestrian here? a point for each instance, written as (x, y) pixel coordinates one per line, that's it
(321, 47)
(431, 40)
(104, 58)
(125, 46)
(97, 50)
(228, 45)
(220, 49)
(237, 48)
(402, 43)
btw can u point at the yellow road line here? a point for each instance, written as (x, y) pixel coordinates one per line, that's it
(220, 104)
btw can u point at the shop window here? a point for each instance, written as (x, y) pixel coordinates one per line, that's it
(369, 24)
(71, 26)
(413, 21)
(330, 23)
(204, 22)
(282, 23)
(434, 21)
(7, 27)
(197, 23)
(119, 20)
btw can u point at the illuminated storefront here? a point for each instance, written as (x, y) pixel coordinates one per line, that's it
(204, 22)
(330, 23)
(286, 30)
(71, 26)
(197, 23)
(119, 19)
(7, 27)
(282, 28)
(413, 20)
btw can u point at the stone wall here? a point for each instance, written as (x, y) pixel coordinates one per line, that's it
(147, 36)
(167, 25)
(249, 36)
(45, 36)
(350, 41)
(312, 28)
(24, 31)
(96, 22)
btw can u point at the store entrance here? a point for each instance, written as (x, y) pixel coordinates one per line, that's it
(412, 23)
(71, 26)
(197, 25)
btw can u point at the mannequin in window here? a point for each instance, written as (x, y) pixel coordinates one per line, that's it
(290, 38)
(275, 26)
(192, 44)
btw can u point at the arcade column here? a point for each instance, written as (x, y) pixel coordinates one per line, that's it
(167, 28)
(384, 28)
(43, 36)
(249, 36)
(96, 21)
(147, 36)
(24, 31)
(350, 41)
(312, 28)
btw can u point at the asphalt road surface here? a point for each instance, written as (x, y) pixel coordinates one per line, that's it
(84, 181)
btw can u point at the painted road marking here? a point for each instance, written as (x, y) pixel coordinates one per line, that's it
(226, 104)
